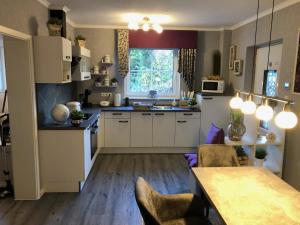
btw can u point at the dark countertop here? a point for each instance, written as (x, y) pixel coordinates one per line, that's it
(96, 110)
(152, 109)
(68, 126)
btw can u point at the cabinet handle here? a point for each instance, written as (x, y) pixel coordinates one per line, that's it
(68, 57)
(188, 114)
(181, 121)
(117, 114)
(159, 114)
(123, 121)
(146, 114)
(208, 98)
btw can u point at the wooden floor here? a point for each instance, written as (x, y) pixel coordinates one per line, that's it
(108, 195)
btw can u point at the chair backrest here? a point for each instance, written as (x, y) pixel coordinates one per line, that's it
(217, 156)
(147, 200)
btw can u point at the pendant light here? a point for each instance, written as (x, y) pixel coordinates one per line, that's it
(236, 102)
(286, 119)
(264, 111)
(249, 107)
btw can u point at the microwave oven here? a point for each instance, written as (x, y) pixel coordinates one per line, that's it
(213, 86)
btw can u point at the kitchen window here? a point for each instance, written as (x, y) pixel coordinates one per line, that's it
(2, 67)
(152, 70)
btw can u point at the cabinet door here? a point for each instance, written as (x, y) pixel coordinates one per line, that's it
(163, 129)
(101, 131)
(117, 132)
(187, 132)
(66, 50)
(141, 129)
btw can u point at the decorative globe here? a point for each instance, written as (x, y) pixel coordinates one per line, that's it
(60, 113)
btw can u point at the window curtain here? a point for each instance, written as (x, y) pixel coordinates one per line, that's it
(123, 51)
(187, 65)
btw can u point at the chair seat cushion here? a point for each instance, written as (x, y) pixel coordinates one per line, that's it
(188, 221)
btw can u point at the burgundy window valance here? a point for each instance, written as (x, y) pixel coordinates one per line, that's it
(167, 39)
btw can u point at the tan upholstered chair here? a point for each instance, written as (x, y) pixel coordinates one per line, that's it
(217, 156)
(178, 209)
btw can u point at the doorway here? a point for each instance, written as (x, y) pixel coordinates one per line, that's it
(22, 113)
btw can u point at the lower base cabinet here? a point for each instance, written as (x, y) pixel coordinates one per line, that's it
(141, 129)
(187, 132)
(117, 132)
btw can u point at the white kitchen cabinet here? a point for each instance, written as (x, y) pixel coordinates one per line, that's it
(141, 129)
(52, 59)
(187, 132)
(117, 132)
(214, 109)
(163, 129)
(65, 159)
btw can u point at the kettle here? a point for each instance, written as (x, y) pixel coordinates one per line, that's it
(117, 99)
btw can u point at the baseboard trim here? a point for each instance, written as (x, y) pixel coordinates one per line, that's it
(146, 150)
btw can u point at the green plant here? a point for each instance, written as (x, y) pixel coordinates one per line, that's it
(192, 102)
(77, 115)
(80, 37)
(260, 153)
(236, 116)
(54, 21)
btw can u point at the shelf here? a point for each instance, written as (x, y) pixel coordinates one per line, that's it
(247, 141)
(98, 74)
(263, 141)
(103, 86)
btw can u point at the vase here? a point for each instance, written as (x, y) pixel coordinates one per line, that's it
(236, 131)
(76, 123)
(81, 43)
(258, 162)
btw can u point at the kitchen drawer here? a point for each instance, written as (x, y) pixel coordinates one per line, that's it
(188, 115)
(117, 115)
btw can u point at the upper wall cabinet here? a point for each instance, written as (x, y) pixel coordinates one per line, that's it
(52, 59)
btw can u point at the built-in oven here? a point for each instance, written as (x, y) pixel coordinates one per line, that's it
(94, 128)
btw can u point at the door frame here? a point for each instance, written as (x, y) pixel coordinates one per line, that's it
(5, 31)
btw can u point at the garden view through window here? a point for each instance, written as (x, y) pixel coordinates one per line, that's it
(151, 69)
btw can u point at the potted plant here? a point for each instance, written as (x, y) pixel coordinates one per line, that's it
(54, 26)
(76, 117)
(114, 82)
(80, 40)
(192, 102)
(260, 155)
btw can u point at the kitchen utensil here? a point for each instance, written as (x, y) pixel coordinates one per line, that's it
(104, 103)
(126, 101)
(106, 59)
(74, 106)
(96, 69)
(117, 99)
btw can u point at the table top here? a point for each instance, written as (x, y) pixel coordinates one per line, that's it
(249, 195)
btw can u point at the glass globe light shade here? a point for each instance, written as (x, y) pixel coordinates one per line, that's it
(264, 112)
(133, 25)
(248, 106)
(158, 28)
(286, 119)
(236, 102)
(146, 27)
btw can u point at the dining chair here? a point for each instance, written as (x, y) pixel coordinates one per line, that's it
(176, 209)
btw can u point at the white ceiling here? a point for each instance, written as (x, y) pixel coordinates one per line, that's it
(193, 14)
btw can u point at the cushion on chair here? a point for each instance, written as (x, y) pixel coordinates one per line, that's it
(192, 159)
(215, 135)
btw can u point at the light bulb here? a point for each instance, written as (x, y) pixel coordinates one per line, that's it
(146, 27)
(133, 25)
(264, 112)
(286, 119)
(158, 28)
(236, 102)
(249, 106)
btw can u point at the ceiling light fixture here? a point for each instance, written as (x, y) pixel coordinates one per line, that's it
(286, 119)
(236, 102)
(145, 25)
(249, 107)
(264, 111)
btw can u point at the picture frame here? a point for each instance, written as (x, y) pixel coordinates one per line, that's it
(238, 67)
(232, 56)
(296, 75)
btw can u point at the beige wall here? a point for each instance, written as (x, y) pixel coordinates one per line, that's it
(286, 23)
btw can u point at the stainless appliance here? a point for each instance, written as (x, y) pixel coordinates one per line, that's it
(94, 137)
(213, 86)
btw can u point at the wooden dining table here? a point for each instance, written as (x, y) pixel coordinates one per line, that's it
(249, 195)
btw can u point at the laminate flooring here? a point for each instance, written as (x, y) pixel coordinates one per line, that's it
(108, 195)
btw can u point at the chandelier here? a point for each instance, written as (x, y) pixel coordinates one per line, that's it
(146, 24)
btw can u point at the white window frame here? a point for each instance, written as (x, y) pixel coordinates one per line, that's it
(143, 95)
(2, 67)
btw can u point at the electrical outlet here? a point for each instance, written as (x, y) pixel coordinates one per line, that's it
(106, 94)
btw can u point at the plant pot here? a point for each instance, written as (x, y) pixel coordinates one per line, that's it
(76, 123)
(54, 29)
(258, 162)
(81, 43)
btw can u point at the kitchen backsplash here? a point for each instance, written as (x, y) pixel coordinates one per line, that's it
(48, 95)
